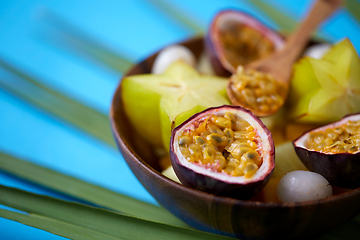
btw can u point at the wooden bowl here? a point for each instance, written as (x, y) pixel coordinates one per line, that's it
(221, 215)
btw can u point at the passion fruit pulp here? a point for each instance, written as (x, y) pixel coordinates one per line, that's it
(235, 38)
(333, 151)
(225, 151)
(259, 92)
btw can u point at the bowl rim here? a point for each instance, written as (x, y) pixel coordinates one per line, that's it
(203, 195)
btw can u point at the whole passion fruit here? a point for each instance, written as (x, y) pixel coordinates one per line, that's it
(225, 151)
(333, 151)
(235, 38)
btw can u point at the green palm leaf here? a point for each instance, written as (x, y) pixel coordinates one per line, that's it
(63, 107)
(89, 121)
(67, 35)
(183, 18)
(284, 21)
(85, 191)
(66, 218)
(56, 227)
(353, 6)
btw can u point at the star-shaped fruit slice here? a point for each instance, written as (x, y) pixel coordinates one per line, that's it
(327, 89)
(155, 104)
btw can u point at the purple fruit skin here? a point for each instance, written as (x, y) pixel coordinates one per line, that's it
(214, 59)
(342, 170)
(214, 186)
(219, 68)
(218, 187)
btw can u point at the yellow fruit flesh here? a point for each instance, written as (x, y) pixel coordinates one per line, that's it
(344, 138)
(256, 91)
(242, 44)
(227, 144)
(137, 101)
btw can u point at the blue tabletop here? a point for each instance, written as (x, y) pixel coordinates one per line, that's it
(80, 49)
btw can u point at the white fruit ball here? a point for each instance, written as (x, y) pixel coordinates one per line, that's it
(171, 54)
(317, 51)
(300, 186)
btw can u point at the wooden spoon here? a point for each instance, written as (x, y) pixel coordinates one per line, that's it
(280, 63)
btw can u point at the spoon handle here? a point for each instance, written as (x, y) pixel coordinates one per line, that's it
(319, 12)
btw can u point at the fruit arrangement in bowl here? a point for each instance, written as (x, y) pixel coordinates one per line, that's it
(240, 173)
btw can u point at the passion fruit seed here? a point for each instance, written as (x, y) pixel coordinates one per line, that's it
(243, 44)
(344, 138)
(218, 143)
(257, 91)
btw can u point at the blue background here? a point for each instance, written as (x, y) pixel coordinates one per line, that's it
(132, 29)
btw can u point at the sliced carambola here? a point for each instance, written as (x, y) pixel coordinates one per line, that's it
(155, 104)
(327, 89)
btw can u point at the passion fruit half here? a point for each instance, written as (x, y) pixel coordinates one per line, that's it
(333, 151)
(225, 151)
(235, 38)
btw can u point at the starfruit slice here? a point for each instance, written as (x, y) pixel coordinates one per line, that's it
(327, 89)
(155, 104)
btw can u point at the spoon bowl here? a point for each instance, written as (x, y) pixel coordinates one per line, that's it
(279, 64)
